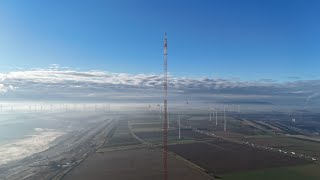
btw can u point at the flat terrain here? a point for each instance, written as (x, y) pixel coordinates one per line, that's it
(221, 156)
(186, 134)
(59, 159)
(304, 172)
(205, 151)
(120, 136)
(235, 125)
(124, 156)
(307, 147)
(134, 164)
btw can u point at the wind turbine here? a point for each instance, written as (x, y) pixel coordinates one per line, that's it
(168, 119)
(179, 127)
(225, 120)
(213, 112)
(160, 113)
(210, 111)
(216, 116)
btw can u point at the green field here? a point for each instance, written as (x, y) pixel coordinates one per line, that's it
(305, 172)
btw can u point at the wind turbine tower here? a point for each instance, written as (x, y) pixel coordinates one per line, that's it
(225, 120)
(210, 112)
(179, 127)
(165, 104)
(168, 120)
(161, 111)
(216, 116)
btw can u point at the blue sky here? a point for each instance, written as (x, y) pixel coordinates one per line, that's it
(247, 40)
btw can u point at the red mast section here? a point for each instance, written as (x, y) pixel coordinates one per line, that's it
(165, 104)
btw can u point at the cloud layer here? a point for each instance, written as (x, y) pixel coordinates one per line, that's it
(4, 88)
(72, 85)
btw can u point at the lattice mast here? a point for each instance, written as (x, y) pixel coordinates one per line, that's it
(165, 106)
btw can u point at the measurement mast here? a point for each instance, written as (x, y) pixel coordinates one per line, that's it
(165, 105)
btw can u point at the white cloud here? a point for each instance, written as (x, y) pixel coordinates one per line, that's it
(312, 96)
(57, 83)
(7, 88)
(3, 88)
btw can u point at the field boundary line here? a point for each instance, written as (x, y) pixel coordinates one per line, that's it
(192, 165)
(139, 139)
(119, 148)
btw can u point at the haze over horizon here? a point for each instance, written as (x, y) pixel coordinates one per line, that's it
(62, 84)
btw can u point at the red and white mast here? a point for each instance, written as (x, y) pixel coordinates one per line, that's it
(165, 105)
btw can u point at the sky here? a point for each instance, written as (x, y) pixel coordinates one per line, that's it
(244, 39)
(269, 42)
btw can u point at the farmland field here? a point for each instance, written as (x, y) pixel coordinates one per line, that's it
(121, 135)
(197, 154)
(124, 157)
(311, 148)
(304, 172)
(186, 134)
(221, 157)
(134, 164)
